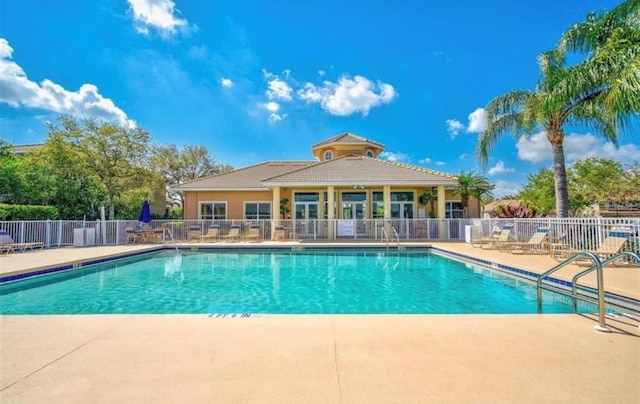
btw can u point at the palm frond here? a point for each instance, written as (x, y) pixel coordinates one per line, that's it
(586, 36)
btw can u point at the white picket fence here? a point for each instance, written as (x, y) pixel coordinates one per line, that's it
(579, 233)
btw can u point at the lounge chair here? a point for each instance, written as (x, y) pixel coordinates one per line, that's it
(7, 244)
(505, 235)
(234, 233)
(254, 233)
(495, 234)
(535, 245)
(611, 245)
(194, 233)
(278, 233)
(213, 233)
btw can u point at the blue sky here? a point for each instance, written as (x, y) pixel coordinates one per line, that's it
(263, 80)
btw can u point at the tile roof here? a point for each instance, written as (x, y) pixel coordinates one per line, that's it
(249, 177)
(347, 138)
(360, 170)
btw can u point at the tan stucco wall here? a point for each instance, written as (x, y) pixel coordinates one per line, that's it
(235, 200)
(345, 150)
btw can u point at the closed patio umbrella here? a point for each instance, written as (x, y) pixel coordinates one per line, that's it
(145, 213)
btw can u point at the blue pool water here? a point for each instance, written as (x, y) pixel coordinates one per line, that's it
(277, 282)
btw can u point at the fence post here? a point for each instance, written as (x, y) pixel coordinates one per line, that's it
(47, 232)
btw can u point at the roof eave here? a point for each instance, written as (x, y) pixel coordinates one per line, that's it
(358, 183)
(195, 189)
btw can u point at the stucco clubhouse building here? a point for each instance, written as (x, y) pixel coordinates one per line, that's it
(346, 181)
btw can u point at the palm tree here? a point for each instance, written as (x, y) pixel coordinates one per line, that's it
(599, 92)
(611, 43)
(471, 185)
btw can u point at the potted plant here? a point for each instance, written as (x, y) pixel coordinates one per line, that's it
(430, 197)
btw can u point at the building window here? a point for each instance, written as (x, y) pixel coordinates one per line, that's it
(328, 155)
(401, 205)
(454, 210)
(257, 210)
(213, 210)
(369, 153)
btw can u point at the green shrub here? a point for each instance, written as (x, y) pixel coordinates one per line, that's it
(27, 212)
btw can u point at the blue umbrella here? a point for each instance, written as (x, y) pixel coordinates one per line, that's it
(145, 213)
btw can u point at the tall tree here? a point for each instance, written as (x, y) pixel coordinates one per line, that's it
(181, 165)
(111, 154)
(471, 184)
(598, 180)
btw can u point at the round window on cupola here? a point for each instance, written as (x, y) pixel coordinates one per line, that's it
(328, 155)
(369, 153)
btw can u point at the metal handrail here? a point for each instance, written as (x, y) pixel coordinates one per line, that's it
(395, 233)
(600, 285)
(385, 236)
(613, 258)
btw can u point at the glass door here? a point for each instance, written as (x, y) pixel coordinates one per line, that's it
(306, 213)
(354, 206)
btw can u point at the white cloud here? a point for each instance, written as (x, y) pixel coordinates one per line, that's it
(394, 156)
(18, 91)
(227, 83)
(273, 108)
(503, 188)
(477, 121)
(321, 72)
(537, 148)
(500, 168)
(441, 163)
(279, 90)
(348, 96)
(454, 127)
(425, 160)
(157, 14)
(276, 117)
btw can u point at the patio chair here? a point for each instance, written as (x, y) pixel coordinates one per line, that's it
(7, 244)
(213, 233)
(132, 235)
(254, 233)
(234, 233)
(611, 245)
(194, 233)
(505, 235)
(535, 245)
(495, 234)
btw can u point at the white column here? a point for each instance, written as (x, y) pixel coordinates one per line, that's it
(331, 208)
(386, 200)
(275, 208)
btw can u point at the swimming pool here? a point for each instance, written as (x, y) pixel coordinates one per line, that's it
(317, 282)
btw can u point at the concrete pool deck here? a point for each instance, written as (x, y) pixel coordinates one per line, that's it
(317, 358)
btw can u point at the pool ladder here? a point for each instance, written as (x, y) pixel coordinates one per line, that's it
(598, 266)
(388, 239)
(170, 233)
